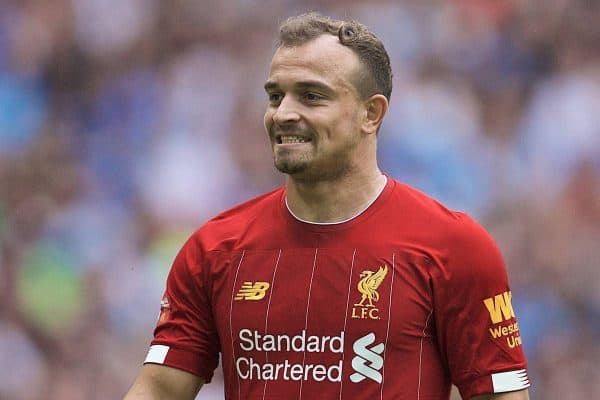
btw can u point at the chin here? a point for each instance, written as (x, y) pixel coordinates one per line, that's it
(290, 169)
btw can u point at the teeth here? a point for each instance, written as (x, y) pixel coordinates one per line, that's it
(292, 139)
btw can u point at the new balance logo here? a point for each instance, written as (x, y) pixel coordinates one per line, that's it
(368, 361)
(252, 291)
(500, 307)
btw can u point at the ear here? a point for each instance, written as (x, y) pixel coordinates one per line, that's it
(375, 106)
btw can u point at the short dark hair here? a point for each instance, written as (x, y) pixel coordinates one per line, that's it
(376, 77)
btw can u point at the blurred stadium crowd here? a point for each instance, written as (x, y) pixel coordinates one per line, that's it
(126, 124)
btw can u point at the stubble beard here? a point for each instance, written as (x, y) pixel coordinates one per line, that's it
(290, 166)
(304, 168)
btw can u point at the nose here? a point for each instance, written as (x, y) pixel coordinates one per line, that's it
(286, 112)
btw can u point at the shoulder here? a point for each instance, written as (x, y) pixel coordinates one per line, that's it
(422, 211)
(228, 226)
(453, 232)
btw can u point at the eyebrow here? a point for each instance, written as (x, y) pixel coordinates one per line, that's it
(271, 85)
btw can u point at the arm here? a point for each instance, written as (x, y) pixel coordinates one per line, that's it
(158, 382)
(477, 328)
(518, 395)
(185, 321)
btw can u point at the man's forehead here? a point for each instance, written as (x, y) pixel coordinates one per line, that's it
(324, 57)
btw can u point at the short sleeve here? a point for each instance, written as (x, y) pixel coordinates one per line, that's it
(185, 336)
(476, 326)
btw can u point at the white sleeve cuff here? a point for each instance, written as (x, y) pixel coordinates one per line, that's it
(157, 354)
(510, 381)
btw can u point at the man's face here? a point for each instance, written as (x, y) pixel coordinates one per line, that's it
(314, 110)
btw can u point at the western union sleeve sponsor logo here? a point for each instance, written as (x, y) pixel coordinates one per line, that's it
(510, 333)
(499, 331)
(500, 307)
(501, 310)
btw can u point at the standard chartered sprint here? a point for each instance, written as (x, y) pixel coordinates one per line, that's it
(251, 340)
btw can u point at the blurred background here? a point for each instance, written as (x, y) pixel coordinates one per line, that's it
(124, 125)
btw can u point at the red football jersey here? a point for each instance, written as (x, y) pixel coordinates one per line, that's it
(396, 303)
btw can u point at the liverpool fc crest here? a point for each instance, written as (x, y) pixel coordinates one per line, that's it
(367, 287)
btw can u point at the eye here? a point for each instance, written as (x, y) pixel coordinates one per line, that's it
(275, 98)
(312, 96)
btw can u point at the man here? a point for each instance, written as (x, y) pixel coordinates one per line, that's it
(344, 284)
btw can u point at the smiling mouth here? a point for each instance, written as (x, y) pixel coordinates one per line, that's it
(292, 139)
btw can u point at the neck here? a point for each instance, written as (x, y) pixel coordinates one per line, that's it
(333, 201)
